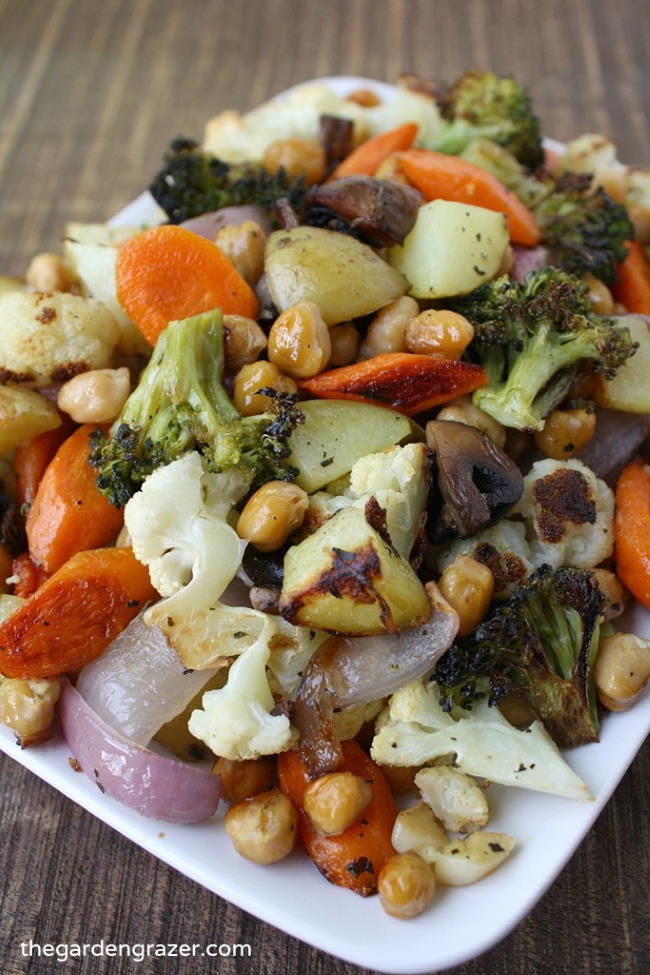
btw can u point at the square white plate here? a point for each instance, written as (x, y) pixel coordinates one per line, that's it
(294, 897)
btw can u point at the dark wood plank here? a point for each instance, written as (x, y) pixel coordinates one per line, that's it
(90, 94)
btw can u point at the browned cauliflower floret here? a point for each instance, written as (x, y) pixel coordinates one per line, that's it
(48, 338)
(569, 515)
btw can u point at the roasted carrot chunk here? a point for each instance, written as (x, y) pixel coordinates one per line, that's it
(366, 158)
(632, 530)
(73, 616)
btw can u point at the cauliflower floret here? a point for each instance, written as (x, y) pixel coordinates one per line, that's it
(414, 730)
(502, 547)
(179, 529)
(48, 338)
(235, 721)
(398, 478)
(569, 515)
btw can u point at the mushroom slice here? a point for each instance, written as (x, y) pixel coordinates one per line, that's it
(478, 482)
(380, 211)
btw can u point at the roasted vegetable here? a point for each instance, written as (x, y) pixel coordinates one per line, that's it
(345, 578)
(179, 404)
(378, 211)
(541, 643)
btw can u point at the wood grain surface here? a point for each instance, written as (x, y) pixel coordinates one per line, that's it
(90, 94)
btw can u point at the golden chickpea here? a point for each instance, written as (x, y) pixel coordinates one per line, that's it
(243, 245)
(253, 377)
(440, 333)
(364, 97)
(49, 272)
(345, 345)
(299, 341)
(400, 778)
(622, 670)
(467, 585)
(599, 295)
(241, 780)
(565, 432)
(335, 801)
(263, 828)
(297, 157)
(406, 885)
(6, 563)
(387, 330)
(613, 591)
(272, 514)
(244, 340)
(27, 707)
(462, 410)
(96, 396)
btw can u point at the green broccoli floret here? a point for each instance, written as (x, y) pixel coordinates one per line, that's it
(583, 228)
(483, 105)
(528, 335)
(180, 404)
(541, 644)
(192, 182)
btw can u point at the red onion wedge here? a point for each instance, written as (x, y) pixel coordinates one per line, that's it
(209, 224)
(528, 259)
(152, 784)
(348, 671)
(617, 438)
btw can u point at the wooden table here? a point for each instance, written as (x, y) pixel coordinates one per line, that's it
(90, 94)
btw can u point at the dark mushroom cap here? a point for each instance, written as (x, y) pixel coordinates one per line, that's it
(478, 482)
(379, 211)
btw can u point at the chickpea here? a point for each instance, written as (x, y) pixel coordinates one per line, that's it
(335, 801)
(27, 707)
(297, 157)
(613, 591)
(299, 341)
(6, 563)
(400, 778)
(364, 97)
(241, 780)
(253, 377)
(599, 295)
(49, 272)
(243, 245)
(467, 585)
(96, 396)
(462, 410)
(565, 432)
(622, 670)
(440, 333)
(272, 514)
(263, 828)
(345, 345)
(387, 330)
(406, 885)
(244, 340)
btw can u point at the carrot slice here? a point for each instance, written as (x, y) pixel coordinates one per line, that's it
(354, 858)
(68, 513)
(30, 576)
(442, 177)
(401, 381)
(30, 462)
(74, 615)
(366, 158)
(169, 273)
(633, 286)
(632, 530)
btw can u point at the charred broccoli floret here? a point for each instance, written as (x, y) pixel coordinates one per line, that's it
(483, 105)
(528, 335)
(179, 405)
(192, 182)
(584, 229)
(541, 644)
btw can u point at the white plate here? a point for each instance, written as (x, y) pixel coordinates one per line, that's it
(294, 897)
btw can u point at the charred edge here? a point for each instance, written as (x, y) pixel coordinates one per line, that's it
(67, 370)
(563, 496)
(8, 376)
